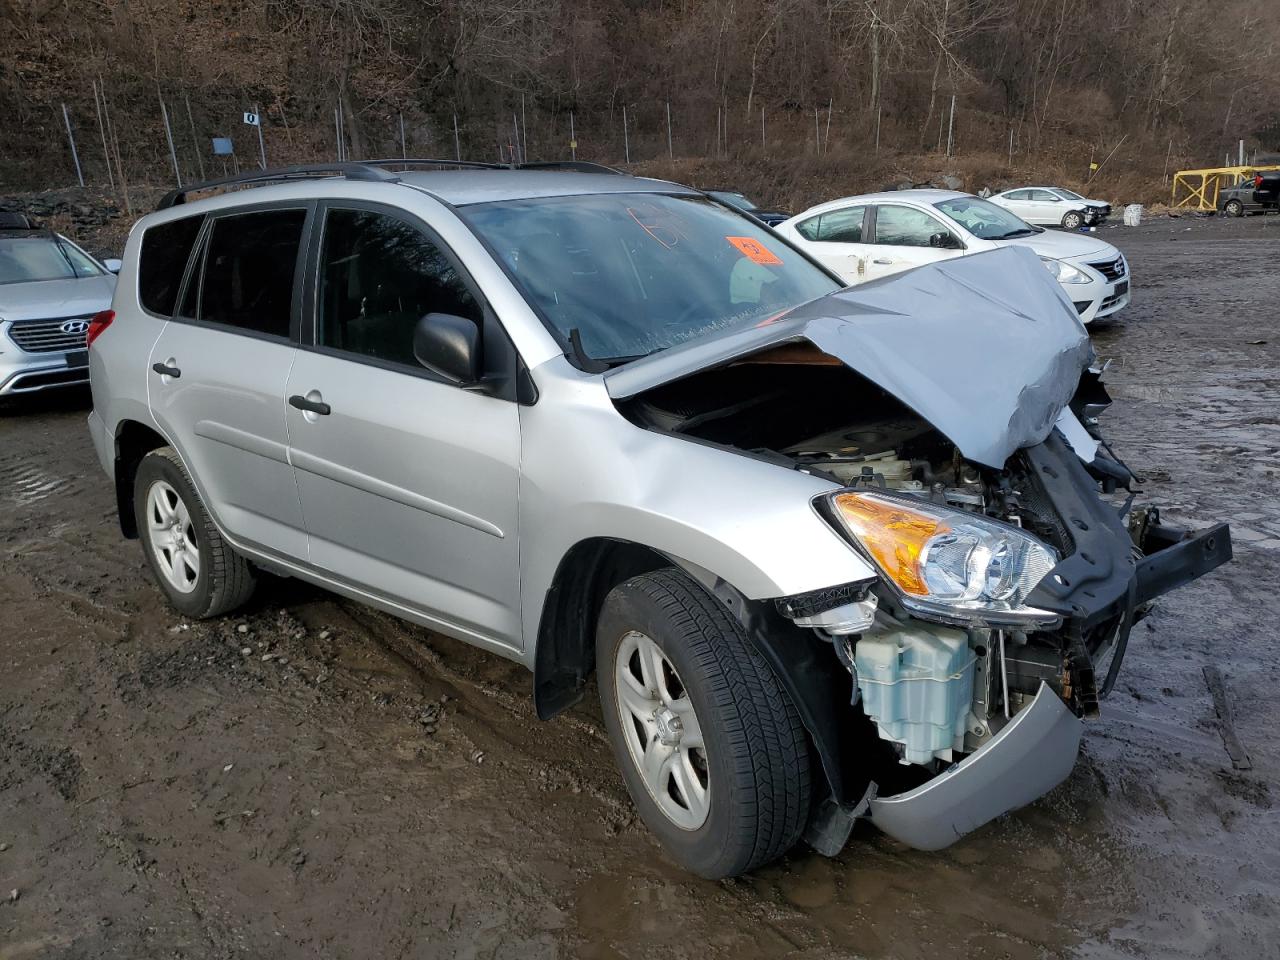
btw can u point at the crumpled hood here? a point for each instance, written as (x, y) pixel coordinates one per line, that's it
(47, 299)
(986, 348)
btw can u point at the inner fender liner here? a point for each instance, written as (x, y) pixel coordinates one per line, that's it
(819, 687)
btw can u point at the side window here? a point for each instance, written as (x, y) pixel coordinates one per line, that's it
(162, 261)
(809, 228)
(378, 276)
(248, 270)
(842, 226)
(1018, 195)
(905, 227)
(1043, 196)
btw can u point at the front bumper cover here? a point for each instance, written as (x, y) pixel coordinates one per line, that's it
(1030, 756)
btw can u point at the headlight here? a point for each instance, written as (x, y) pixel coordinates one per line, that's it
(948, 564)
(1063, 271)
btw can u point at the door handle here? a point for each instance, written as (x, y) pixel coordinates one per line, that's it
(166, 369)
(309, 406)
(883, 261)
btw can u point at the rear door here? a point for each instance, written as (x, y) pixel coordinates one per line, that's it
(1019, 202)
(218, 372)
(1049, 207)
(907, 237)
(409, 483)
(836, 240)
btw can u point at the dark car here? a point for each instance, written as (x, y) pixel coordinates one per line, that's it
(740, 200)
(1259, 192)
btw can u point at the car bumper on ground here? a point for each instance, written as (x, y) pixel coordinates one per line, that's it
(1030, 756)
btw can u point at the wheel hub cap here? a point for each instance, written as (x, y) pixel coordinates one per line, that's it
(670, 727)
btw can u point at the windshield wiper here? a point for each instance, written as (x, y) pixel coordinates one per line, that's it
(1020, 232)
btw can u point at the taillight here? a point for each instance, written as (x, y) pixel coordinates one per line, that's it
(98, 323)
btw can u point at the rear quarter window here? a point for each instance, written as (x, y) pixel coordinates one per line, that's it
(162, 261)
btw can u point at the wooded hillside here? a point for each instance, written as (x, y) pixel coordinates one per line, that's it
(1046, 84)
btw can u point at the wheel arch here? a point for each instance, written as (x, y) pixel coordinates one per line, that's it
(133, 441)
(820, 688)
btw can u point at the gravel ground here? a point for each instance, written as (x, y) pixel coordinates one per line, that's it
(312, 778)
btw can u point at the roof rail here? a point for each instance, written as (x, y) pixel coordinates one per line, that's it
(580, 166)
(432, 162)
(350, 170)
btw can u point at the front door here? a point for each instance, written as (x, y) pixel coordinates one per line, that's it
(907, 237)
(217, 376)
(408, 483)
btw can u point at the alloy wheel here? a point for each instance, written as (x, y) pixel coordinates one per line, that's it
(661, 728)
(173, 537)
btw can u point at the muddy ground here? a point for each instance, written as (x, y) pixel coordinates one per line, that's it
(315, 779)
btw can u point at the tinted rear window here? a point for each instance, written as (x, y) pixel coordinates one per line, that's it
(165, 249)
(249, 268)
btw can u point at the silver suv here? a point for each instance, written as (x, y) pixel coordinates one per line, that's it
(829, 553)
(50, 290)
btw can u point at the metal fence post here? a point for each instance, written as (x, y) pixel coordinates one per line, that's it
(102, 129)
(573, 139)
(404, 147)
(71, 138)
(951, 121)
(626, 137)
(762, 143)
(262, 145)
(524, 131)
(457, 144)
(168, 135)
(671, 155)
(195, 141)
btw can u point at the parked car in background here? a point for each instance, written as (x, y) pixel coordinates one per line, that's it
(866, 237)
(1253, 194)
(50, 289)
(740, 200)
(1053, 207)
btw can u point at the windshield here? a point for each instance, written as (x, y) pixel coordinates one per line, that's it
(1068, 194)
(42, 257)
(733, 198)
(985, 220)
(637, 273)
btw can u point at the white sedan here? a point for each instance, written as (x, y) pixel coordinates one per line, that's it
(862, 238)
(1053, 207)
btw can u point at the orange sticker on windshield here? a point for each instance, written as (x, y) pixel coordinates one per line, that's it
(755, 251)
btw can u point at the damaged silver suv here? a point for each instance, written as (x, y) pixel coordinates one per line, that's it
(828, 553)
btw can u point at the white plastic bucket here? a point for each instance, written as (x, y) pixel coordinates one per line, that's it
(1133, 214)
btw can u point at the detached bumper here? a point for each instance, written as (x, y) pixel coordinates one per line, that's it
(1030, 756)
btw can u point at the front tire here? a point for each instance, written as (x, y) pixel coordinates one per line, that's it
(199, 572)
(1072, 220)
(712, 751)
(1234, 208)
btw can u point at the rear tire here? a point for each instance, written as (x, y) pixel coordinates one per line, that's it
(199, 572)
(1072, 220)
(749, 783)
(1234, 208)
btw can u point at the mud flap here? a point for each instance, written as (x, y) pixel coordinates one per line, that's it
(1030, 756)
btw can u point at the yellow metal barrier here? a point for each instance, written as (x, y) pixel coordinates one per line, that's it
(1199, 188)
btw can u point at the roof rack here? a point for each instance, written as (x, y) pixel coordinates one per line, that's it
(352, 171)
(369, 170)
(577, 166)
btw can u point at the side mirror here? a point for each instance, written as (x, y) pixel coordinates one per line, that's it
(112, 264)
(943, 241)
(449, 346)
